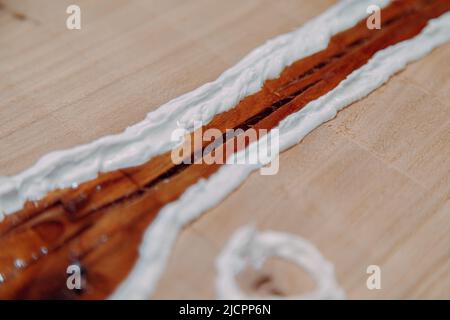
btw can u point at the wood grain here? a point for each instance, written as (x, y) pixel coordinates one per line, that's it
(425, 200)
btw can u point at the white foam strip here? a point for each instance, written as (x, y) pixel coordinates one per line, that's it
(160, 236)
(247, 246)
(139, 143)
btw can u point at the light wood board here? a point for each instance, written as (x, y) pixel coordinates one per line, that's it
(369, 187)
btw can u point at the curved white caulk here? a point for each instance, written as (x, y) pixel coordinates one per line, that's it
(142, 141)
(160, 236)
(249, 246)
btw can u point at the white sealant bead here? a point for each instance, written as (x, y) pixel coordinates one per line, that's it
(247, 245)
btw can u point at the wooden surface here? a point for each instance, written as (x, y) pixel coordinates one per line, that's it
(370, 187)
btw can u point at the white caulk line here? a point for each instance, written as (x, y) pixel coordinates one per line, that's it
(139, 143)
(161, 234)
(247, 246)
